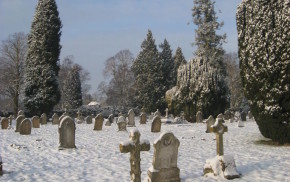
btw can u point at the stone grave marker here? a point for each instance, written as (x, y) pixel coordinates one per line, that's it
(20, 112)
(157, 113)
(209, 122)
(228, 115)
(43, 119)
(221, 116)
(131, 118)
(156, 124)
(135, 146)
(244, 116)
(108, 123)
(4, 123)
(143, 118)
(122, 125)
(55, 119)
(66, 132)
(19, 119)
(111, 118)
(89, 120)
(25, 127)
(164, 165)
(99, 122)
(35, 122)
(221, 164)
(199, 117)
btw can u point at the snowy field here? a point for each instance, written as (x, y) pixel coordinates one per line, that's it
(97, 157)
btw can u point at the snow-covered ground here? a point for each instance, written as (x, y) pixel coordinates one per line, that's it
(97, 157)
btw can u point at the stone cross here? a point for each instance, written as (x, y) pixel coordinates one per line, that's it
(134, 146)
(219, 128)
(166, 112)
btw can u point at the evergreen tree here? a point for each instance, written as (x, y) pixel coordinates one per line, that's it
(42, 63)
(72, 92)
(264, 45)
(147, 68)
(178, 61)
(167, 65)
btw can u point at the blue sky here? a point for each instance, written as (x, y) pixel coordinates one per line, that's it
(94, 30)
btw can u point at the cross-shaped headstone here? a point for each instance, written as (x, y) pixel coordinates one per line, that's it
(219, 128)
(166, 112)
(134, 146)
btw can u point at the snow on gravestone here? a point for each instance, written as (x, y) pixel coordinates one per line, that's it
(25, 127)
(20, 112)
(35, 122)
(66, 132)
(43, 119)
(156, 124)
(209, 122)
(55, 119)
(99, 122)
(164, 165)
(19, 119)
(131, 118)
(4, 123)
(135, 146)
(223, 165)
(121, 122)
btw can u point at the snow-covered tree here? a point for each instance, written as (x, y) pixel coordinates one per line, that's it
(167, 65)
(72, 91)
(42, 63)
(12, 57)
(178, 61)
(264, 44)
(147, 68)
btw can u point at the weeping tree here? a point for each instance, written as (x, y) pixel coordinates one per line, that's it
(264, 45)
(42, 63)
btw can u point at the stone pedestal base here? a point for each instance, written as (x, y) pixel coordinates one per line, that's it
(221, 165)
(164, 175)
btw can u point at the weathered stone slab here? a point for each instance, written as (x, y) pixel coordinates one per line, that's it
(209, 122)
(19, 119)
(25, 127)
(156, 124)
(55, 119)
(199, 117)
(122, 125)
(35, 122)
(89, 120)
(164, 166)
(131, 118)
(143, 118)
(157, 113)
(43, 119)
(4, 123)
(66, 132)
(244, 116)
(99, 122)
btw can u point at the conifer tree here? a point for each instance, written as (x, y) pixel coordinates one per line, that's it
(178, 61)
(167, 65)
(42, 63)
(72, 92)
(265, 64)
(147, 68)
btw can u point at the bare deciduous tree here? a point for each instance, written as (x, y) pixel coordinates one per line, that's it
(13, 54)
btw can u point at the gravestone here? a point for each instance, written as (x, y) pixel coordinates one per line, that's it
(89, 120)
(25, 127)
(228, 115)
(244, 116)
(66, 132)
(55, 119)
(199, 117)
(157, 113)
(156, 124)
(250, 115)
(209, 122)
(20, 112)
(99, 122)
(221, 164)
(79, 119)
(143, 118)
(131, 118)
(4, 123)
(19, 119)
(111, 118)
(108, 123)
(135, 146)
(35, 122)
(221, 116)
(122, 125)
(164, 165)
(43, 119)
